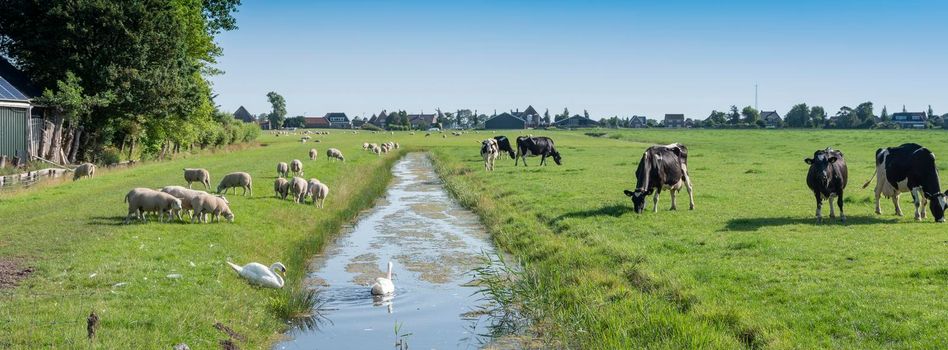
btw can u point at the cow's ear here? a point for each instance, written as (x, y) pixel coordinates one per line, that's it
(808, 161)
(628, 193)
(832, 159)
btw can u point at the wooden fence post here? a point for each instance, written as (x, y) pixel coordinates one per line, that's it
(3, 161)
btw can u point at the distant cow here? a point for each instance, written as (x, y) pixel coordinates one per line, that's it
(489, 151)
(661, 167)
(503, 144)
(827, 179)
(528, 146)
(909, 168)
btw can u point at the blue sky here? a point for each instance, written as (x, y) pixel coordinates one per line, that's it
(609, 57)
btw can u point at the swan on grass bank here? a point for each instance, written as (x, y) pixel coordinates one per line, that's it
(384, 285)
(260, 275)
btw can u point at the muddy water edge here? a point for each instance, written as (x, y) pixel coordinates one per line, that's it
(434, 244)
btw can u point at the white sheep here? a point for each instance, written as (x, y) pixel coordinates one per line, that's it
(84, 169)
(282, 169)
(333, 153)
(298, 187)
(296, 166)
(365, 146)
(385, 148)
(146, 200)
(313, 153)
(319, 191)
(197, 175)
(185, 195)
(216, 206)
(281, 187)
(235, 180)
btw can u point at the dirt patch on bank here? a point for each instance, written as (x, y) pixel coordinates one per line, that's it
(12, 271)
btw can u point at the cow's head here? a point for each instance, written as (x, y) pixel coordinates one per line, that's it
(556, 157)
(821, 162)
(937, 205)
(638, 199)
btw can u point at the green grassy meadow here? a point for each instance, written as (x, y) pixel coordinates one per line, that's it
(748, 268)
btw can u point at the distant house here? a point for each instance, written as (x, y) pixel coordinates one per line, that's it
(19, 137)
(357, 123)
(316, 122)
(379, 120)
(674, 120)
(422, 120)
(265, 124)
(338, 120)
(910, 120)
(638, 121)
(243, 115)
(504, 121)
(576, 121)
(771, 119)
(530, 116)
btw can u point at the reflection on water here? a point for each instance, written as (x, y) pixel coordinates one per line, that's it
(434, 244)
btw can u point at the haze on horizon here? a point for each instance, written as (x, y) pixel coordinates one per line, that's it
(608, 57)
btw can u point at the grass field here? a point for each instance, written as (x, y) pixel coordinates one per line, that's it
(748, 268)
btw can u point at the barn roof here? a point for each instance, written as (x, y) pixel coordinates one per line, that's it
(14, 85)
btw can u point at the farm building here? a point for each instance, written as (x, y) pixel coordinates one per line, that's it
(674, 120)
(243, 115)
(338, 120)
(576, 121)
(504, 121)
(17, 134)
(316, 122)
(638, 121)
(422, 121)
(771, 119)
(530, 116)
(910, 120)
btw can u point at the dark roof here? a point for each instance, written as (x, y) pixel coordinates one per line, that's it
(583, 120)
(530, 111)
(769, 114)
(315, 122)
(640, 118)
(416, 119)
(505, 114)
(335, 115)
(14, 85)
(674, 117)
(908, 115)
(242, 114)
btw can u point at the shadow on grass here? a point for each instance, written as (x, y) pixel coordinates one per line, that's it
(614, 210)
(110, 220)
(754, 224)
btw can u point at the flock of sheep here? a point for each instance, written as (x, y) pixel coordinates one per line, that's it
(379, 150)
(299, 187)
(170, 201)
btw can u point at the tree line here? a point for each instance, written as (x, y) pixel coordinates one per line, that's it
(122, 74)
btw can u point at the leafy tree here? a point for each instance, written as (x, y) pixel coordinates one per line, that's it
(750, 115)
(864, 116)
(798, 116)
(885, 115)
(716, 118)
(296, 122)
(586, 114)
(734, 117)
(70, 103)
(846, 118)
(931, 113)
(278, 109)
(391, 119)
(817, 117)
(559, 117)
(546, 117)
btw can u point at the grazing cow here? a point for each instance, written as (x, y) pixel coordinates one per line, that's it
(909, 168)
(528, 146)
(827, 179)
(504, 145)
(661, 167)
(489, 151)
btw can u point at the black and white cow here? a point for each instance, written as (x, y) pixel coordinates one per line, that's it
(529, 146)
(909, 168)
(504, 145)
(661, 167)
(489, 151)
(827, 178)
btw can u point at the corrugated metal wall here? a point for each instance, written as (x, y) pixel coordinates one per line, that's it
(13, 131)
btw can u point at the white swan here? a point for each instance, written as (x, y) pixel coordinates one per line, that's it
(384, 285)
(260, 275)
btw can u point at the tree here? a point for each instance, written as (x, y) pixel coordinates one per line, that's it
(885, 115)
(864, 116)
(390, 120)
(586, 114)
(565, 115)
(817, 117)
(734, 117)
(798, 116)
(71, 105)
(464, 117)
(546, 117)
(297, 122)
(931, 113)
(846, 119)
(277, 111)
(716, 118)
(750, 115)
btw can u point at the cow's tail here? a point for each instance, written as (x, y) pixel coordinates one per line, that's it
(870, 180)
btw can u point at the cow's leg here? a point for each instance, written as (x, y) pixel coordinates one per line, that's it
(921, 208)
(895, 202)
(691, 195)
(673, 193)
(878, 195)
(839, 202)
(658, 191)
(917, 203)
(189, 185)
(819, 207)
(832, 196)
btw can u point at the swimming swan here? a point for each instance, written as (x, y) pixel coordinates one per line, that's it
(260, 275)
(384, 285)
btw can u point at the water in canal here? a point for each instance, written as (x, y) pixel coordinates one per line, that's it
(433, 242)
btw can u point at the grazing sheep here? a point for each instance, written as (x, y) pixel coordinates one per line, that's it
(319, 191)
(395, 144)
(298, 188)
(333, 153)
(281, 187)
(296, 166)
(213, 205)
(365, 146)
(282, 169)
(185, 195)
(385, 148)
(313, 153)
(377, 151)
(197, 175)
(235, 180)
(146, 200)
(84, 169)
